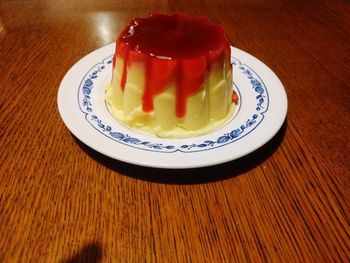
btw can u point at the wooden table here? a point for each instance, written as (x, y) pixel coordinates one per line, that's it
(60, 201)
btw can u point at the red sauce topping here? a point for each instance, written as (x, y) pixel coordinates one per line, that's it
(177, 49)
(234, 97)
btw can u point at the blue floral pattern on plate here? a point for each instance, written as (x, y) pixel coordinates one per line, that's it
(85, 92)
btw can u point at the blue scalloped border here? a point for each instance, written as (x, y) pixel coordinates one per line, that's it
(86, 87)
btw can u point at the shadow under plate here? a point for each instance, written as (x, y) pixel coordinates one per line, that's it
(190, 176)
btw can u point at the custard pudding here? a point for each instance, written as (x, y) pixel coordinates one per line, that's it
(172, 76)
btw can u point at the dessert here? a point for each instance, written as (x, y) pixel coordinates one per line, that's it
(172, 76)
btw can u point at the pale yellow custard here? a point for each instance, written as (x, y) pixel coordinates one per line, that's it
(171, 97)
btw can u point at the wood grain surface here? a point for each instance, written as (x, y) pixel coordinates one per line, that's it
(287, 202)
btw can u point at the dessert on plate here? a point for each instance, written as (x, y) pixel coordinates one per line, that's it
(172, 76)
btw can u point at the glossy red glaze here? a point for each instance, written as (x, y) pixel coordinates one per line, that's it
(176, 49)
(234, 97)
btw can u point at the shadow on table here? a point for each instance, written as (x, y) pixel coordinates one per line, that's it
(90, 253)
(191, 176)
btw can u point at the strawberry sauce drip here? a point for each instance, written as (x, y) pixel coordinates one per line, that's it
(235, 97)
(175, 49)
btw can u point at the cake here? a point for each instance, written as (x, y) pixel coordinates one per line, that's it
(172, 76)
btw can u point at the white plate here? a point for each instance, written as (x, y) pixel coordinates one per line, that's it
(261, 113)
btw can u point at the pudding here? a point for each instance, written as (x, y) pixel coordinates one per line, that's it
(172, 76)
